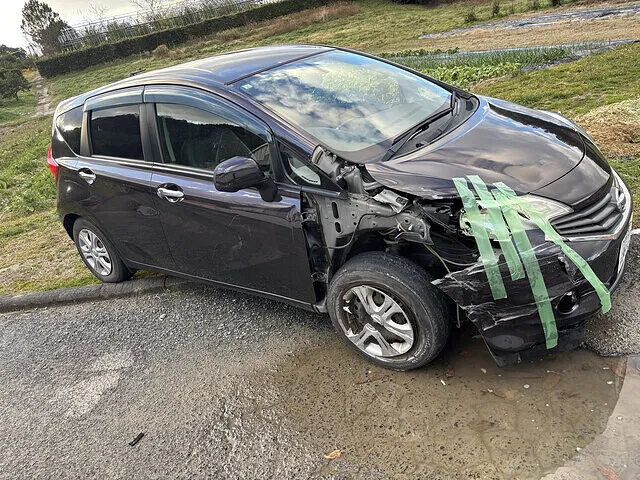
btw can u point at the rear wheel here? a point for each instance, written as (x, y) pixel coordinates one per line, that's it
(385, 307)
(98, 254)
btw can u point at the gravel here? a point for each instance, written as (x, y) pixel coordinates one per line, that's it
(224, 385)
(618, 332)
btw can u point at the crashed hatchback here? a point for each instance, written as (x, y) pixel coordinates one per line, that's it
(343, 183)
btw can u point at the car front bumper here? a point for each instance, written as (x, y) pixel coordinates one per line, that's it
(511, 326)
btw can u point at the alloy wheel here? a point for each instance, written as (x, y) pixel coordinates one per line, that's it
(375, 322)
(94, 252)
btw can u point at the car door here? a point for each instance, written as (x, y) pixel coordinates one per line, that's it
(233, 238)
(115, 169)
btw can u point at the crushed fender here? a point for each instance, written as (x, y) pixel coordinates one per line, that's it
(504, 223)
(543, 224)
(538, 287)
(480, 233)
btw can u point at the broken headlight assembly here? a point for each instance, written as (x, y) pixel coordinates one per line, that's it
(548, 208)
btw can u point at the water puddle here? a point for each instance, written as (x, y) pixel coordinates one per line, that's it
(461, 417)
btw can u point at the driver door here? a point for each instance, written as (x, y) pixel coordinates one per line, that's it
(232, 238)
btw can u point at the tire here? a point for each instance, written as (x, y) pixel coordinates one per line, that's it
(419, 321)
(83, 234)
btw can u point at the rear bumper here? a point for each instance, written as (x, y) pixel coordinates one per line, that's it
(511, 327)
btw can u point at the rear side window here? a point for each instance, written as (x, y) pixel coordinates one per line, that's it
(69, 124)
(115, 132)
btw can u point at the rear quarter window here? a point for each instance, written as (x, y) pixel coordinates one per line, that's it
(69, 124)
(115, 132)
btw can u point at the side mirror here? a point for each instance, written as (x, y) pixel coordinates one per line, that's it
(238, 173)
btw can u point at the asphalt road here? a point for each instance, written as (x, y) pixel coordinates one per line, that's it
(225, 385)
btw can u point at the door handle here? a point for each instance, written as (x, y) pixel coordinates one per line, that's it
(87, 175)
(171, 195)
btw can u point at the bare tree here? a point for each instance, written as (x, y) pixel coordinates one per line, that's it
(148, 7)
(94, 13)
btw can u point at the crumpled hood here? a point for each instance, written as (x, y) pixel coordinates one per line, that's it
(501, 142)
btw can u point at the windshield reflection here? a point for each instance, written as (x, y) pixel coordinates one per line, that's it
(352, 104)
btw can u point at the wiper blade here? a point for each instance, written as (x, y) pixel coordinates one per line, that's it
(396, 145)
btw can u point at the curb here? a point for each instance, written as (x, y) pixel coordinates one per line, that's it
(88, 293)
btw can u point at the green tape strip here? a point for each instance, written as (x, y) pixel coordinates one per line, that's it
(499, 227)
(543, 224)
(481, 236)
(531, 265)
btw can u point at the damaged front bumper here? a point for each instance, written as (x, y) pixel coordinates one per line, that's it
(511, 326)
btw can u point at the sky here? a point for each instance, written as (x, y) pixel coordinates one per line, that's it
(72, 11)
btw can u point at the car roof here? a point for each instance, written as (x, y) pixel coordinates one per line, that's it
(228, 67)
(211, 72)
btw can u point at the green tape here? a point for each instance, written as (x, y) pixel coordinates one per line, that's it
(481, 236)
(499, 227)
(536, 280)
(543, 224)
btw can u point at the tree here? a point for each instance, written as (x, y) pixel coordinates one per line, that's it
(149, 8)
(42, 25)
(11, 79)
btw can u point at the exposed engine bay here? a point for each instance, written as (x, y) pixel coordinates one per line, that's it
(373, 217)
(435, 234)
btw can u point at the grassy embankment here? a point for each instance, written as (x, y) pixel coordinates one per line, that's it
(602, 92)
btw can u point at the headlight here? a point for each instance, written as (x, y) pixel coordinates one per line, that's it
(549, 208)
(569, 123)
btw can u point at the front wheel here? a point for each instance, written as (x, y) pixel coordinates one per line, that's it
(98, 254)
(385, 307)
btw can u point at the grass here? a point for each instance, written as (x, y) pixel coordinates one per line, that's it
(36, 253)
(25, 182)
(15, 111)
(375, 26)
(577, 87)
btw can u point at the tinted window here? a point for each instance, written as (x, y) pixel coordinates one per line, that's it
(115, 132)
(69, 125)
(195, 138)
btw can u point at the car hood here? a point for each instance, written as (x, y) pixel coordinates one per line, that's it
(526, 149)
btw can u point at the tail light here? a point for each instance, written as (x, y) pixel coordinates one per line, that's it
(53, 165)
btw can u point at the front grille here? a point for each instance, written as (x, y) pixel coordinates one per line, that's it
(600, 217)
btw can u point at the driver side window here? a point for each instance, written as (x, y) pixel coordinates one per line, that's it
(196, 138)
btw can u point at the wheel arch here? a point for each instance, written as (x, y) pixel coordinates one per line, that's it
(68, 222)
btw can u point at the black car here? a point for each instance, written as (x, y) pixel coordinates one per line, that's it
(323, 177)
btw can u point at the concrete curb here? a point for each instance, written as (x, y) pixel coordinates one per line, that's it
(88, 293)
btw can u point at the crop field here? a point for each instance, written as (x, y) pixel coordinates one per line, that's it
(600, 91)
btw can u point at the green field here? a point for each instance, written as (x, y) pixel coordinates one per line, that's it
(35, 252)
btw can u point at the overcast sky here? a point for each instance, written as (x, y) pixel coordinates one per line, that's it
(72, 11)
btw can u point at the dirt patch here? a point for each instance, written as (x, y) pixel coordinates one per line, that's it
(288, 23)
(615, 127)
(42, 94)
(559, 33)
(535, 21)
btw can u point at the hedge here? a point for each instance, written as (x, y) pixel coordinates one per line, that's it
(80, 59)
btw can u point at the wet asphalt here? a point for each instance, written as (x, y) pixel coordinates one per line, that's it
(224, 385)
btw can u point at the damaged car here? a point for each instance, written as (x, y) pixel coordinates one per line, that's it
(324, 178)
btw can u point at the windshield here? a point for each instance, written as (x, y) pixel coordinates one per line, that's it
(351, 104)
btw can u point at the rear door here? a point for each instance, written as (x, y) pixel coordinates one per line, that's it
(233, 238)
(115, 168)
